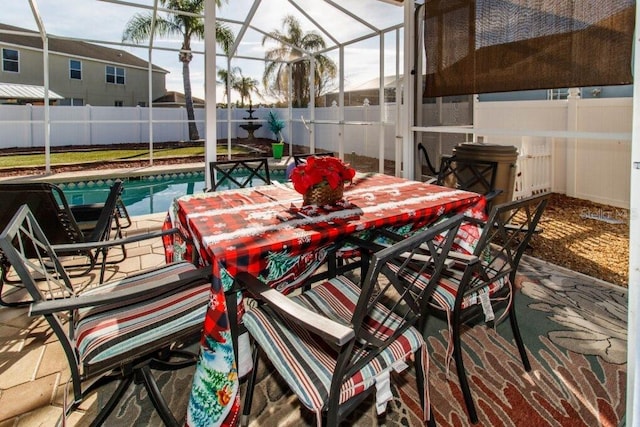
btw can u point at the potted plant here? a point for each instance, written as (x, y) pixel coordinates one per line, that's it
(321, 179)
(276, 125)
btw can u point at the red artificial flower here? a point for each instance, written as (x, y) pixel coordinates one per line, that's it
(316, 170)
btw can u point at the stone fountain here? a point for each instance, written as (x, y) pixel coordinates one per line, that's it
(250, 127)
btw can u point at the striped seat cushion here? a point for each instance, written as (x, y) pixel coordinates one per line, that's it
(169, 273)
(444, 295)
(305, 361)
(103, 336)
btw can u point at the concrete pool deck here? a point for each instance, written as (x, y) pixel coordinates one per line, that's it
(122, 172)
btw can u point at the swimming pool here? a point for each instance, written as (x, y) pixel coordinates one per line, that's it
(144, 195)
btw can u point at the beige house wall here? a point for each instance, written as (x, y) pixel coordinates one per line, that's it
(93, 88)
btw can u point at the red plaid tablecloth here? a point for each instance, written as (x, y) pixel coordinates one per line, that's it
(265, 231)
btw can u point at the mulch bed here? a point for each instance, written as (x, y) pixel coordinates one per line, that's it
(583, 236)
(577, 234)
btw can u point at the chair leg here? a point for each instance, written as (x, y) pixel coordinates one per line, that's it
(419, 367)
(144, 375)
(419, 376)
(462, 376)
(518, 337)
(165, 362)
(431, 422)
(246, 407)
(7, 303)
(113, 401)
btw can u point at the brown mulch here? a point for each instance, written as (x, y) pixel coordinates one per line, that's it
(577, 234)
(590, 246)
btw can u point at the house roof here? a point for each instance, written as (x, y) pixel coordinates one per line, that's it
(175, 98)
(73, 47)
(374, 84)
(19, 91)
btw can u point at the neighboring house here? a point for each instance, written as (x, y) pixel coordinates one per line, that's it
(369, 90)
(83, 73)
(11, 93)
(173, 99)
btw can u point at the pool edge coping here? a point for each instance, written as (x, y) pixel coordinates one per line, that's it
(102, 174)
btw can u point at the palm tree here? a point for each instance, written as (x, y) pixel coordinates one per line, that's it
(237, 81)
(140, 28)
(292, 44)
(228, 76)
(245, 85)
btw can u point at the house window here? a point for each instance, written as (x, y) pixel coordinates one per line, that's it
(562, 93)
(115, 75)
(75, 102)
(10, 60)
(118, 103)
(75, 69)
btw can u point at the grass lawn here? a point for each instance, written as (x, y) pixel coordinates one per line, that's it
(74, 157)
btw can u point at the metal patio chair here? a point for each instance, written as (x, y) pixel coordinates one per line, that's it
(471, 175)
(336, 342)
(239, 173)
(87, 216)
(480, 279)
(117, 331)
(49, 206)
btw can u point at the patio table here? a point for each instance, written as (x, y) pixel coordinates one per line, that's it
(265, 231)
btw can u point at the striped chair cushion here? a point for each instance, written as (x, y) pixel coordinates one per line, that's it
(305, 361)
(167, 274)
(445, 293)
(102, 335)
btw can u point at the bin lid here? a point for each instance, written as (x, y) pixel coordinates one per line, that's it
(487, 152)
(476, 146)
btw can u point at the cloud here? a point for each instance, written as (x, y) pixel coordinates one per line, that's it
(103, 21)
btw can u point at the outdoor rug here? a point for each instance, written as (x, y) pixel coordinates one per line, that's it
(574, 328)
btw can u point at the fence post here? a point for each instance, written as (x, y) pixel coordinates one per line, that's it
(572, 143)
(30, 126)
(90, 122)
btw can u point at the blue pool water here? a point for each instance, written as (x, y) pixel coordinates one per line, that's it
(144, 194)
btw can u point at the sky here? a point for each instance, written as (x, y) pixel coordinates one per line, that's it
(101, 21)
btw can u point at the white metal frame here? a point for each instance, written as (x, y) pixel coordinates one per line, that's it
(406, 131)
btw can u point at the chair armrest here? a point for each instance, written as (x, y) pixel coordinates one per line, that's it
(327, 329)
(492, 194)
(432, 180)
(165, 286)
(463, 258)
(513, 227)
(115, 242)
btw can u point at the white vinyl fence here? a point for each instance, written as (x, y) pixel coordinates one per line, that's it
(592, 162)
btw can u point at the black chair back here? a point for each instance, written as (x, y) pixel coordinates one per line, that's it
(48, 205)
(239, 173)
(472, 175)
(350, 332)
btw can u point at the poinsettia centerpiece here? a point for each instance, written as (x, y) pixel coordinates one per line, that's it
(321, 176)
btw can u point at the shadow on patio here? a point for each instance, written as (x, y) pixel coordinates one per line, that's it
(573, 378)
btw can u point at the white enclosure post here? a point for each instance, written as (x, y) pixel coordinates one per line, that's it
(399, 126)
(228, 89)
(312, 102)
(633, 380)
(210, 143)
(408, 93)
(381, 108)
(45, 69)
(341, 152)
(150, 79)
